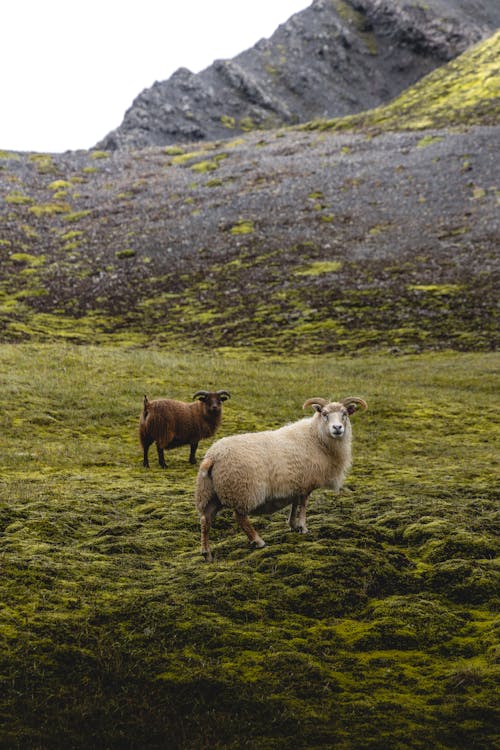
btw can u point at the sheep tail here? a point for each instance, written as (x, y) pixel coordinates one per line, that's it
(205, 491)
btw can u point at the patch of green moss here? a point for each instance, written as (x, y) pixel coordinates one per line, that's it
(228, 122)
(428, 140)
(247, 124)
(75, 216)
(173, 150)
(44, 163)
(73, 234)
(27, 259)
(59, 185)
(243, 226)
(185, 158)
(49, 209)
(18, 199)
(320, 267)
(438, 289)
(126, 253)
(9, 155)
(99, 154)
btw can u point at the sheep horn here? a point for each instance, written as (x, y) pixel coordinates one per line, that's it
(354, 400)
(315, 400)
(200, 393)
(224, 393)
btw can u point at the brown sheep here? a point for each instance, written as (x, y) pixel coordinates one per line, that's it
(170, 423)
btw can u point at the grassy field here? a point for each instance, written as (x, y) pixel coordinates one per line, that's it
(375, 630)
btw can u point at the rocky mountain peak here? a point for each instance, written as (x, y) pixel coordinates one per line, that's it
(334, 58)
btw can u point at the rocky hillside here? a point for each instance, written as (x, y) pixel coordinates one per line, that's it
(289, 240)
(335, 58)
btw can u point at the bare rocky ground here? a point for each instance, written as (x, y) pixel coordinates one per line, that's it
(285, 240)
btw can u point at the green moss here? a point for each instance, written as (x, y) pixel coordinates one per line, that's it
(428, 140)
(99, 155)
(126, 253)
(243, 226)
(73, 234)
(185, 158)
(319, 267)
(247, 124)
(438, 289)
(27, 259)
(368, 627)
(9, 155)
(49, 209)
(18, 199)
(44, 163)
(204, 166)
(228, 122)
(75, 216)
(59, 185)
(173, 150)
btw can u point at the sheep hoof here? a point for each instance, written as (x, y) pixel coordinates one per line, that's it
(207, 555)
(258, 544)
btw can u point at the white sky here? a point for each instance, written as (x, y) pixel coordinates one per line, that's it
(70, 70)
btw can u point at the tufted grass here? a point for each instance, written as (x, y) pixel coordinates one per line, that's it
(375, 630)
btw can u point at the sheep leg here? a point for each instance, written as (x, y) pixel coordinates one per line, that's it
(244, 522)
(161, 456)
(192, 453)
(292, 518)
(206, 519)
(145, 449)
(297, 518)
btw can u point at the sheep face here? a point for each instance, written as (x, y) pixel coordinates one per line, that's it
(334, 415)
(335, 418)
(212, 401)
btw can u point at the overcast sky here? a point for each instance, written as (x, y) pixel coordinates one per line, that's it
(70, 69)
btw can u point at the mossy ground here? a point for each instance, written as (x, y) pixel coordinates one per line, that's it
(375, 630)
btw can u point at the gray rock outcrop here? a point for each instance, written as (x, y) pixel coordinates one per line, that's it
(335, 58)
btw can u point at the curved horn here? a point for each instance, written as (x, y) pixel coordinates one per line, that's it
(351, 400)
(200, 393)
(316, 400)
(224, 393)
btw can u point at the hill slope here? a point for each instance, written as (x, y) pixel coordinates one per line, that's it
(335, 58)
(287, 241)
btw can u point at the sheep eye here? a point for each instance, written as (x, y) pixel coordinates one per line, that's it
(324, 415)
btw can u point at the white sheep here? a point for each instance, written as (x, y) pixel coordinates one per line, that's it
(261, 472)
